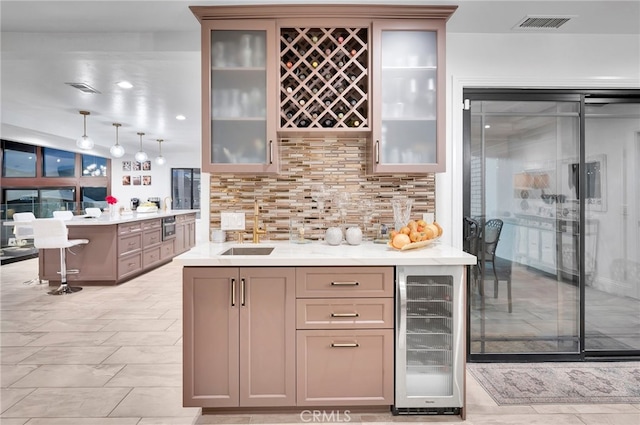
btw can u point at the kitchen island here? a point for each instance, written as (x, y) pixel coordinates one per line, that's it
(300, 326)
(120, 247)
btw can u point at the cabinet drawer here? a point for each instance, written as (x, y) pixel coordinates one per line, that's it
(129, 243)
(151, 237)
(150, 257)
(123, 229)
(129, 265)
(340, 282)
(341, 313)
(167, 249)
(151, 224)
(341, 367)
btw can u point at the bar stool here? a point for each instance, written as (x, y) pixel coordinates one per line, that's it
(23, 230)
(52, 233)
(63, 215)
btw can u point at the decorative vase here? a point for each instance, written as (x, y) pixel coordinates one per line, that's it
(353, 236)
(333, 236)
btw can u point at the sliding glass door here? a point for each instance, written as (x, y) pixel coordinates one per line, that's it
(551, 184)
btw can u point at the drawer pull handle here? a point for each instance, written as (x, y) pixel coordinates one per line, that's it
(344, 345)
(351, 283)
(131, 243)
(345, 315)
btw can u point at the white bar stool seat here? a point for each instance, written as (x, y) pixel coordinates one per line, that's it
(52, 233)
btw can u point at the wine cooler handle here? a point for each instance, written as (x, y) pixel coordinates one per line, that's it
(270, 151)
(377, 149)
(402, 314)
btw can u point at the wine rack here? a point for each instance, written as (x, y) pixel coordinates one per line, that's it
(324, 78)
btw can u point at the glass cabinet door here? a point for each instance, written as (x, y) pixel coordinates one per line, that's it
(409, 114)
(240, 90)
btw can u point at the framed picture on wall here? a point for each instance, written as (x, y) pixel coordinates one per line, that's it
(595, 186)
(146, 166)
(146, 180)
(135, 180)
(126, 180)
(136, 166)
(126, 165)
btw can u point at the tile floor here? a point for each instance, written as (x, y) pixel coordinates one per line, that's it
(112, 356)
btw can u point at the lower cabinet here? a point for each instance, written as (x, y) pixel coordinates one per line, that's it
(239, 337)
(249, 342)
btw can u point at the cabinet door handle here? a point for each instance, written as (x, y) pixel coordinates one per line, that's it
(345, 315)
(270, 151)
(233, 292)
(350, 283)
(377, 149)
(344, 345)
(242, 284)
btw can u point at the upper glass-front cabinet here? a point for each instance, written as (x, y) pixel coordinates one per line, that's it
(408, 79)
(238, 119)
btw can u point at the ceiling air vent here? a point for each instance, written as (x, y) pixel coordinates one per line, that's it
(85, 88)
(542, 22)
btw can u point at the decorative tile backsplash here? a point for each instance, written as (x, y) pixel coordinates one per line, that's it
(338, 163)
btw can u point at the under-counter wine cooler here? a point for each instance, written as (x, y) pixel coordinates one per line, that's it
(429, 340)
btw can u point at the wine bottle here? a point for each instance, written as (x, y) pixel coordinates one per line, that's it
(302, 123)
(328, 122)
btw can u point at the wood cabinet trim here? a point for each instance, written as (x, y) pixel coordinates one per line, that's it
(204, 13)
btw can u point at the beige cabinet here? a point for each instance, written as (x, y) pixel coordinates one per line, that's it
(239, 337)
(185, 237)
(408, 71)
(345, 336)
(239, 87)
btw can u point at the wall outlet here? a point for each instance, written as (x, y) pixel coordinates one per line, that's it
(231, 221)
(428, 217)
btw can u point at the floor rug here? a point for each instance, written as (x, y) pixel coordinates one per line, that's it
(558, 383)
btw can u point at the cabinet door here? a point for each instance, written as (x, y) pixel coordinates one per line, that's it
(267, 344)
(408, 82)
(345, 367)
(239, 96)
(211, 317)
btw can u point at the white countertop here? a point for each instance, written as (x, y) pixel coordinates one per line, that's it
(319, 253)
(106, 219)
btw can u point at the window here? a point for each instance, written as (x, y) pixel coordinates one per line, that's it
(93, 197)
(19, 160)
(94, 166)
(58, 163)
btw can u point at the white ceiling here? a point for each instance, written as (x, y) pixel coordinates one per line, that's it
(156, 46)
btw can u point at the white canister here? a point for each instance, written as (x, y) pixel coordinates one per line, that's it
(354, 236)
(333, 236)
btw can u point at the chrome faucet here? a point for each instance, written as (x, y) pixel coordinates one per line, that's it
(256, 231)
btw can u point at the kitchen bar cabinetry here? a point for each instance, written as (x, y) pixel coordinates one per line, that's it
(185, 233)
(345, 338)
(239, 81)
(118, 249)
(239, 337)
(281, 71)
(408, 114)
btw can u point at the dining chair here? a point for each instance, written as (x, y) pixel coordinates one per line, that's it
(52, 233)
(501, 267)
(93, 212)
(472, 232)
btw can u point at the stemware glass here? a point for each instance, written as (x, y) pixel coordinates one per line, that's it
(342, 203)
(401, 212)
(366, 208)
(319, 195)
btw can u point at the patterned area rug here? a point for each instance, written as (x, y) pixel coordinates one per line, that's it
(557, 383)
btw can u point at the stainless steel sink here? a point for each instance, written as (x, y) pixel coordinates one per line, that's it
(248, 250)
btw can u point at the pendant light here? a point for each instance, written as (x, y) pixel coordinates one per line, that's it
(141, 156)
(160, 160)
(117, 151)
(84, 142)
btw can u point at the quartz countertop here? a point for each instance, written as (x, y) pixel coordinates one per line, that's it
(107, 219)
(319, 253)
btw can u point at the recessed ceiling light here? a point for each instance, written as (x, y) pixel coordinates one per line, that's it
(125, 85)
(487, 126)
(181, 117)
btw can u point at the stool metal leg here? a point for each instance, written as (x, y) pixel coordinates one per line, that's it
(64, 288)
